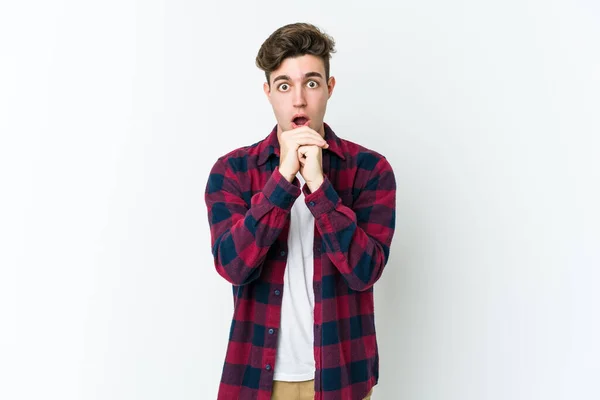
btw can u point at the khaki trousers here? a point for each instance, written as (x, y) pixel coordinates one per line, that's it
(297, 391)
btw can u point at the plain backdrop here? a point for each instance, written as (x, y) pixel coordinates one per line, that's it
(112, 113)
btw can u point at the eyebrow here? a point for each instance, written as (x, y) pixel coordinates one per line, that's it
(307, 75)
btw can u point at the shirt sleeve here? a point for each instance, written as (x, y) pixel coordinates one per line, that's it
(357, 240)
(242, 234)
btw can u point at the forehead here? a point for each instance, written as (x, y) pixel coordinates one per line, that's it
(296, 67)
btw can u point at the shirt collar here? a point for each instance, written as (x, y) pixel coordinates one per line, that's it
(270, 145)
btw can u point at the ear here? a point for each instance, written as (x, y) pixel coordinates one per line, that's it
(267, 91)
(330, 85)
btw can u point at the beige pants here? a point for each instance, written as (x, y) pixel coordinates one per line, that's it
(297, 390)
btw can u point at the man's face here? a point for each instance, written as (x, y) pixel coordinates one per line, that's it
(298, 86)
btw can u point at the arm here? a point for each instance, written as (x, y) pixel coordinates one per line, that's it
(241, 235)
(357, 240)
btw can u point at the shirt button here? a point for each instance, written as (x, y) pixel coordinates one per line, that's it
(282, 253)
(277, 292)
(268, 367)
(271, 331)
(312, 203)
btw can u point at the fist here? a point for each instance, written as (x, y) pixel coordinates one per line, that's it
(311, 165)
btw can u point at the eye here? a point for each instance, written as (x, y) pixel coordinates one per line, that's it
(316, 84)
(283, 87)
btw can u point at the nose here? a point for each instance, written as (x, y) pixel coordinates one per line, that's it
(299, 97)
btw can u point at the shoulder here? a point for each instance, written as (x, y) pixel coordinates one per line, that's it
(364, 158)
(242, 158)
(229, 169)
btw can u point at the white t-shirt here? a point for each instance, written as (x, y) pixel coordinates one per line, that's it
(295, 349)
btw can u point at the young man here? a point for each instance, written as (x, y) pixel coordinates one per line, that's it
(301, 226)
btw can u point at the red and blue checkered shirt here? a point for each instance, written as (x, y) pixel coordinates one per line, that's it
(249, 205)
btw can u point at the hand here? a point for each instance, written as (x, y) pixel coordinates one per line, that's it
(289, 143)
(310, 158)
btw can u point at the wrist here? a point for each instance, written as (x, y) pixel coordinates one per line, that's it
(288, 176)
(315, 185)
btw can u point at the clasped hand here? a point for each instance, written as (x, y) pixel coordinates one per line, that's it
(301, 150)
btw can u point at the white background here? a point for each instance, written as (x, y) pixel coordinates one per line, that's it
(112, 113)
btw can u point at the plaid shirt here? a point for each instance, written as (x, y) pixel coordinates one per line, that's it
(249, 205)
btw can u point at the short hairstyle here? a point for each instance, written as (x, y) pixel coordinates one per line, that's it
(294, 40)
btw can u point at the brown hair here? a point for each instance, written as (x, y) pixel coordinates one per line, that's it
(294, 40)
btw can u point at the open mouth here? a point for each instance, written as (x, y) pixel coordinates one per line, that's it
(300, 121)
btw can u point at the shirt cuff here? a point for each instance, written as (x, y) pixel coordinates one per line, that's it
(322, 200)
(280, 192)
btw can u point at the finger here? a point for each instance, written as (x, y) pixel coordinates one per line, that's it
(302, 150)
(309, 146)
(310, 140)
(302, 131)
(307, 151)
(312, 143)
(305, 131)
